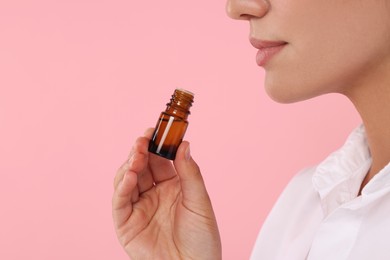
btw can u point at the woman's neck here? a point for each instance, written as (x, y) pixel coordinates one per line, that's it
(372, 100)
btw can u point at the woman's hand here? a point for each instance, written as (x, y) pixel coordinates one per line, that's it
(162, 210)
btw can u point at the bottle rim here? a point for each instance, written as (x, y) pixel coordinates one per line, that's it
(185, 91)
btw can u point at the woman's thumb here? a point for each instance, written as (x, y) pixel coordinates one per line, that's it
(192, 184)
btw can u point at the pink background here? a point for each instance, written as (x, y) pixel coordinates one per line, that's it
(80, 80)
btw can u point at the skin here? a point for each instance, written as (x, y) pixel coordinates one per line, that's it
(161, 210)
(332, 46)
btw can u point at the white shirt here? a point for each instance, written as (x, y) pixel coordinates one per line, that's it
(319, 215)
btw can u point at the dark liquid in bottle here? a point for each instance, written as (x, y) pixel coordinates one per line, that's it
(167, 136)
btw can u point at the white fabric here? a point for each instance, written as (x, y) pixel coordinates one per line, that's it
(320, 217)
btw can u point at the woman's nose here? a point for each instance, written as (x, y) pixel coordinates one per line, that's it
(246, 9)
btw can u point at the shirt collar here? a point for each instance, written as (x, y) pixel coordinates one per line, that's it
(380, 183)
(338, 178)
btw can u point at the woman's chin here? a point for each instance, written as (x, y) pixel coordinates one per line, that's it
(283, 95)
(290, 92)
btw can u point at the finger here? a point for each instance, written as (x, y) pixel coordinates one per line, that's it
(192, 184)
(121, 202)
(140, 165)
(137, 162)
(149, 132)
(131, 151)
(161, 168)
(121, 171)
(126, 165)
(145, 181)
(135, 195)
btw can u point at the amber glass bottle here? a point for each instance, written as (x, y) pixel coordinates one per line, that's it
(172, 125)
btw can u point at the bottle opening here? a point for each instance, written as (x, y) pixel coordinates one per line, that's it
(185, 91)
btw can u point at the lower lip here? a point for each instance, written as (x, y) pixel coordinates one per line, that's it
(265, 54)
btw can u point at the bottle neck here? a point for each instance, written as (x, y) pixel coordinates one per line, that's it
(180, 103)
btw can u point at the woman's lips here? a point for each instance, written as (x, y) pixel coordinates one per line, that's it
(267, 49)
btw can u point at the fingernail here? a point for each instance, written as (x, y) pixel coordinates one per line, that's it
(120, 186)
(188, 153)
(130, 161)
(124, 176)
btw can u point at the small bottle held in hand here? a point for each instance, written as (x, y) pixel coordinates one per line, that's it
(172, 125)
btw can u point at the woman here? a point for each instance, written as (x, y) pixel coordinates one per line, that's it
(337, 210)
